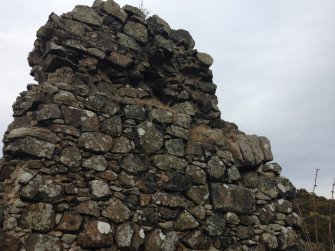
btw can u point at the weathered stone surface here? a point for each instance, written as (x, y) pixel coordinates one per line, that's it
(285, 187)
(233, 173)
(122, 145)
(250, 150)
(43, 242)
(293, 220)
(182, 37)
(267, 186)
(112, 126)
(185, 221)
(216, 168)
(96, 162)
(41, 188)
(83, 119)
(8, 242)
(135, 112)
(95, 142)
(169, 200)
(99, 188)
(284, 206)
(137, 30)
(197, 174)
(182, 120)
(71, 157)
(205, 58)
(88, 208)
(178, 132)
(87, 15)
(120, 60)
(96, 234)
(134, 163)
(270, 241)
(123, 235)
(197, 241)
(159, 26)
(100, 103)
(288, 238)
(39, 217)
(232, 198)
(150, 137)
(244, 232)
(266, 147)
(70, 222)
(131, 10)
(198, 194)
(48, 111)
(128, 42)
(31, 146)
(160, 115)
(111, 8)
(215, 225)
(175, 147)
(117, 211)
(231, 218)
(168, 162)
(177, 182)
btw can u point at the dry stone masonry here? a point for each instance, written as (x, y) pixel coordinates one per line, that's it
(120, 146)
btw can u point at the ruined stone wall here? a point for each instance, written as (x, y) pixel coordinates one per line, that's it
(120, 146)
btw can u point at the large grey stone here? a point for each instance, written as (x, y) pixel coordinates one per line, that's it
(215, 225)
(42, 188)
(175, 147)
(101, 103)
(159, 26)
(168, 162)
(117, 211)
(150, 137)
(83, 119)
(267, 186)
(111, 8)
(87, 15)
(137, 31)
(205, 58)
(88, 207)
(112, 126)
(99, 189)
(43, 242)
(96, 234)
(134, 163)
(122, 145)
(232, 198)
(71, 157)
(185, 221)
(48, 111)
(169, 200)
(123, 235)
(38, 133)
(95, 142)
(39, 217)
(182, 37)
(31, 146)
(121, 60)
(127, 42)
(216, 168)
(178, 182)
(96, 162)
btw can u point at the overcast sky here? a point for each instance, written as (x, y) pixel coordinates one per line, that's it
(274, 67)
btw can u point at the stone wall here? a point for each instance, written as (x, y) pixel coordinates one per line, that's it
(120, 146)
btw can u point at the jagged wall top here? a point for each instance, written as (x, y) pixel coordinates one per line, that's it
(121, 147)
